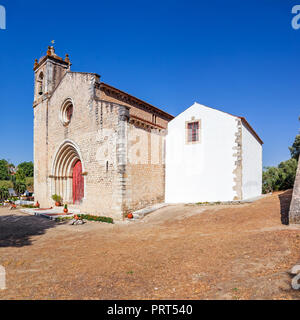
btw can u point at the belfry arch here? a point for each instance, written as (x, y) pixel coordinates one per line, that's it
(67, 177)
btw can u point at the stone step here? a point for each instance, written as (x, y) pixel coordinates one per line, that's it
(74, 208)
(140, 214)
(53, 216)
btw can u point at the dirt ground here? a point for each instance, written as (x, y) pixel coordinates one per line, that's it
(178, 252)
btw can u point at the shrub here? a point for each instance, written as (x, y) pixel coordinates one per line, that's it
(57, 198)
(95, 218)
(13, 199)
(20, 187)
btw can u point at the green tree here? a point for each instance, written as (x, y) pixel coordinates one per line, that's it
(20, 182)
(281, 177)
(29, 182)
(271, 179)
(287, 171)
(295, 148)
(4, 172)
(20, 175)
(4, 194)
(6, 184)
(19, 187)
(27, 167)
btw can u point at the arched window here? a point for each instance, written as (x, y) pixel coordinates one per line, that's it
(66, 112)
(40, 83)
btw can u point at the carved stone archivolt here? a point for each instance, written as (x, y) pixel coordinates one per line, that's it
(65, 159)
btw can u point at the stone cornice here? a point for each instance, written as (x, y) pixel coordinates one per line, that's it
(147, 123)
(55, 58)
(125, 97)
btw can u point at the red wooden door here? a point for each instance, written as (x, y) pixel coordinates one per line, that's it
(78, 183)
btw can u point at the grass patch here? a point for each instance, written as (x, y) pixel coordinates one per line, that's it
(95, 218)
(87, 217)
(208, 203)
(216, 203)
(61, 219)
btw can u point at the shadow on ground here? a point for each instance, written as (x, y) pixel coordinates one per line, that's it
(285, 199)
(16, 230)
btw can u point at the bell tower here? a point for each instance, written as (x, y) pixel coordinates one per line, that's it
(49, 70)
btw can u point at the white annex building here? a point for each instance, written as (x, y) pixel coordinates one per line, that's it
(211, 156)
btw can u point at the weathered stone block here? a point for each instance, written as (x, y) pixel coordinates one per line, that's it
(294, 215)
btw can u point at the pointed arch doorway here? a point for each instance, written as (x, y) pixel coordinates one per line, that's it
(67, 177)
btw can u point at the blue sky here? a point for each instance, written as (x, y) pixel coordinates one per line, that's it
(241, 57)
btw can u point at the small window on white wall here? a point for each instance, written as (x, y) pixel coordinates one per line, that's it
(193, 131)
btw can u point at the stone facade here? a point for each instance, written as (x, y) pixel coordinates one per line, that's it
(118, 138)
(238, 170)
(294, 216)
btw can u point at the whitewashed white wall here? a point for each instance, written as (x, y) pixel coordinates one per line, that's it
(204, 171)
(252, 165)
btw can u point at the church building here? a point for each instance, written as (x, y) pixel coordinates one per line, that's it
(106, 152)
(102, 150)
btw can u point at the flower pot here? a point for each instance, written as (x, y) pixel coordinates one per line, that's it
(57, 204)
(66, 210)
(130, 216)
(37, 205)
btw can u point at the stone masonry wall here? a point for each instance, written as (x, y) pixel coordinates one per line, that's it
(146, 168)
(144, 180)
(93, 129)
(121, 150)
(238, 171)
(40, 153)
(294, 215)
